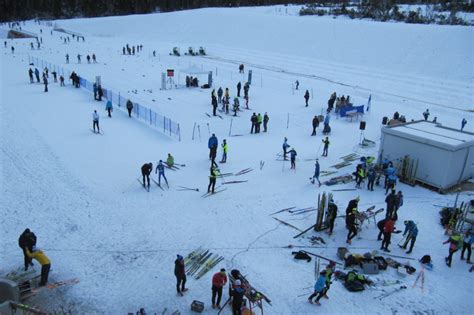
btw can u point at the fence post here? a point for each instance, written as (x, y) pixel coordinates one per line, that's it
(179, 133)
(169, 119)
(164, 124)
(150, 117)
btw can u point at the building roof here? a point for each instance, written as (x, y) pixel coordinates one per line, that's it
(433, 133)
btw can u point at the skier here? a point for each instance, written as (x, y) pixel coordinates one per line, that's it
(95, 121)
(226, 95)
(359, 175)
(412, 230)
(351, 225)
(225, 148)
(55, 76)
(147, 168)
(214, 105)
(30, 73)
(212, 178)
(293, 155)
(326, 146)
(331, 101)
(285, 147)
(239, 86)
(319, 288)
(237, 297)
(253, 120)
(27, 241)
(100, 93)
(265, 121)
(129, 108)
(13, 50)
(78, 58)
(306, 97)
(297, 83)
(67, 58)
(44, 262)
(332, 214)
(61, 80)
(259, 122)
(45, 81)
(109, 108)
(236, 105)
(37, 75)
(179, 272)
(219, 95)
(246, 90)
(160, 169)
(463, 123)
(455, 242)
(315, 125)
(388, 229)
(435, 120)
(93, 58)
(327, 128)
(170, 160)
(426, 114)
(88, 59)
(212, 143)
(316, 173)
(371, 179)
(391, 201)
(241, 68)
(219, 279)
(467, 243)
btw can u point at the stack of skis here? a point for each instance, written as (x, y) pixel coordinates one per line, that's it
(322, 213)
(407, 169)
(347, 160)
(200, 261)
(343, 179)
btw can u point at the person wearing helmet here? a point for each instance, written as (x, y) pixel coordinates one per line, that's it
(237, 297)
(180, 274)
(160, 169)
(293, 155)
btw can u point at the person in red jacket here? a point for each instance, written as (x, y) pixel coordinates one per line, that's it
(218, 282)
(388, 229)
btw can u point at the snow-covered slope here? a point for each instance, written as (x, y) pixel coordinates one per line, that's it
(79, 193)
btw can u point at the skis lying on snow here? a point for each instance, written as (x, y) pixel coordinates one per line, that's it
(288, 224)
(383, 296)
(200, 261)
(282, 210)
(244, 171)
(182, 188)
(235, 182)
(147, 188)
(213, 193)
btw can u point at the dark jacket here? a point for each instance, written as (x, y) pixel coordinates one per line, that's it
(27, 239)
(315, 122)
(332, 211)
(391, 201)
(179, 269)
(146, 169)
(352, 204)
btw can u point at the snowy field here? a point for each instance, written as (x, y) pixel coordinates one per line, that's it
(79, 192)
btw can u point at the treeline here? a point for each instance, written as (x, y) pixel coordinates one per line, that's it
(434, 12)
(12, 10)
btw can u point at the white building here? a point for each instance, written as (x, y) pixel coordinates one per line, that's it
(445, 155)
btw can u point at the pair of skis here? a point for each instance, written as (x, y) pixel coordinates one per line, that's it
(244, 171)
(213, 193)
(97, 132)
(158, 184)
(383, 296)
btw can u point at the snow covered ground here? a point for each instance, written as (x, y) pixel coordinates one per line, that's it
(78, 191)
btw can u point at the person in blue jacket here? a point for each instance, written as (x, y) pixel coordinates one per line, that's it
(316, 173)
(293, 155)
(160, 169)
(371, 177)
(467, 244)
(213, 142)
(109, 108)
(412, 230)
(285, 147)
(319, 288)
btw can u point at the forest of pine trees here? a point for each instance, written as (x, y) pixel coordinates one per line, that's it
(12, 10)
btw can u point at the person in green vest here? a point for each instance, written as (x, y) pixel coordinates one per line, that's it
(225, 148)
(455, 242)
(212, 178)
(259, 122)
(170, 160)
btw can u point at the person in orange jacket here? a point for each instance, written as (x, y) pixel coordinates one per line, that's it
(44, 262)
(218, 282)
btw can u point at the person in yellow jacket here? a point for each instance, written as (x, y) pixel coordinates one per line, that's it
(170, 160)
(225, 148)
(44, 262)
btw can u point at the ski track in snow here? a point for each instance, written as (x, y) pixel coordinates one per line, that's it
(78, 192)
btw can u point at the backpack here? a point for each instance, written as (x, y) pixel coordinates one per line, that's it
(425, 259)
(301, 255)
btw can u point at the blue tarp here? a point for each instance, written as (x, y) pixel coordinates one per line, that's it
(345, 109)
